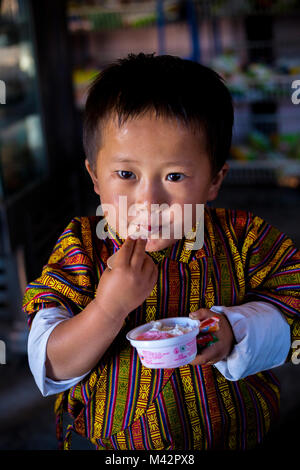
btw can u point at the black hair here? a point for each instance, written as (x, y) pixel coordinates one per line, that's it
(172, 87)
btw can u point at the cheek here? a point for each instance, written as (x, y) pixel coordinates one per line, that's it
(120, 204)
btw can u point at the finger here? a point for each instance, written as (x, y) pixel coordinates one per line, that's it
(147, 263)
(139, 254)
(210, 354)
(154, 276)
(111, 260)
(201, 361)
(201, 314)
(125, 252)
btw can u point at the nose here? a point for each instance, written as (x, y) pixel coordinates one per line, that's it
(148, 202)
(148, 195)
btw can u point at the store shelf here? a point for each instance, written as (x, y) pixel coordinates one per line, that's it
(278, 87)
(261, 89)
(231, 8)
(22, 145)
(172, 8)
(114, 16)
(248, 90)
(285, 173)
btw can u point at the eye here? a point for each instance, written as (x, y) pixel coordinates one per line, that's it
(125, 175)
(177, 176)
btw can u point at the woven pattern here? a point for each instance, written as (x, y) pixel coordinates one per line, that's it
(123, 405)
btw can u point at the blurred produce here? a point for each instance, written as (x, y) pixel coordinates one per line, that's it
(262, 147)
(256, 81)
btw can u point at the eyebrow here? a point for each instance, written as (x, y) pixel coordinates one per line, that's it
(129, 160)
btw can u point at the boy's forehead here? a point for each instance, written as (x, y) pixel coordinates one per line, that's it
(153, 129)
(153, 143)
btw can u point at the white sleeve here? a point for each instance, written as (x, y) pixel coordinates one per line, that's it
(263, 339)
(42, 326)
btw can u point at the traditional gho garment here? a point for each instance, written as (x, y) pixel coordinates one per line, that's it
(121, 404)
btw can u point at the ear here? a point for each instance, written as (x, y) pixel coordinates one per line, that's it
(217, 182)
(93, 177)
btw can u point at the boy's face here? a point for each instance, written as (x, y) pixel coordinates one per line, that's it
(153, 161)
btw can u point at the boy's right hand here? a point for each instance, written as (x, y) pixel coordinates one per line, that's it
(132, 279)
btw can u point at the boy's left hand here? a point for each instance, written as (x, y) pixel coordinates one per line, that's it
(223, 347)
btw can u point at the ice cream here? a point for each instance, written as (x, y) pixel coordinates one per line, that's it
(158, 331)
(176, 345)
(180, 338)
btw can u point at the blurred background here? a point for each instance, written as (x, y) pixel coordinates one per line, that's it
(49, 52)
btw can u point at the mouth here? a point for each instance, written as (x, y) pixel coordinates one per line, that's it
(151, 228)
(147, 230)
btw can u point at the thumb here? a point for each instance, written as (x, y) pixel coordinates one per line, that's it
(201, 314)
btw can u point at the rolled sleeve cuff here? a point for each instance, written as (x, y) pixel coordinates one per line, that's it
(263, 339)
(42, 326)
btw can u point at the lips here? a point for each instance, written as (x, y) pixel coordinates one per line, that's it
(151, 228)
(148, 230)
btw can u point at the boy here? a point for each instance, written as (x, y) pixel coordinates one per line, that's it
(157, 130)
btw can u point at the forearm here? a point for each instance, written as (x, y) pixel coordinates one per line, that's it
(76, 345)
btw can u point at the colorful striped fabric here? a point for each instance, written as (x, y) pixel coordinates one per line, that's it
(123, 405)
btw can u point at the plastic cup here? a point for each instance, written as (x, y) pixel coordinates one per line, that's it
(167, 353)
